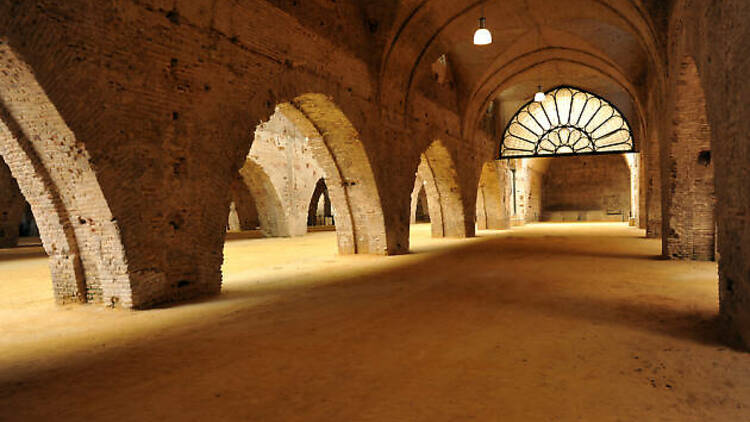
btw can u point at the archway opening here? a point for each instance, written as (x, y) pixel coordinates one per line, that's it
(437, 180)
(422, 209)
(244, 219)
(320, 215)
(51, 167)
(307, 165)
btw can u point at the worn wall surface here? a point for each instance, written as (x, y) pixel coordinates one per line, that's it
(715, 37)
(688, 176)
(494, 200)
(589, 188)
(527, 177)
(167, 97)
(284, 154)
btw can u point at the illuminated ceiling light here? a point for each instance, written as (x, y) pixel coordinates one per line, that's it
(539, 96)
(482, 36)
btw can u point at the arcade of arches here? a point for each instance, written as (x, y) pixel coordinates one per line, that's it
(370, 216)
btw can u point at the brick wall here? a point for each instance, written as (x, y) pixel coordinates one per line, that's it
(688, 175)
(284, 153)
(715, 35)
(591, 187)
(166, 98)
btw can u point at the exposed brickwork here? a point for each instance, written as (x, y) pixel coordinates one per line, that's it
(439, 179)
(53, 172)
(283, 153)
(652, 179)
(688, 175)
(715, 36)
(587, 188)
(337, 148)
(129, 133)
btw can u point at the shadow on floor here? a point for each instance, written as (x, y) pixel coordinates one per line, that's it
(424, 292)
(22, 252)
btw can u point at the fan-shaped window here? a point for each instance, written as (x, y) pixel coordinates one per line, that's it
(568, 121)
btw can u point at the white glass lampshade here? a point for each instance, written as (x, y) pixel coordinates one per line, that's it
(539, 97)
(482, 36)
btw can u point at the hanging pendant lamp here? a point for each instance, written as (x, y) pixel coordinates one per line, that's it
(482, 36)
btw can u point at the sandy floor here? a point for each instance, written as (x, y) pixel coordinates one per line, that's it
(544, 323)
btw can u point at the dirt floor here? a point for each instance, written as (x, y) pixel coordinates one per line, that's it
(549, 322)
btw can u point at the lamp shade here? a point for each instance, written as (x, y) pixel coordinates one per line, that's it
(482, 36)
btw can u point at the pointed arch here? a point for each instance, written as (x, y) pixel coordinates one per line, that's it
(79, 233)
(320, 212)
(243, 213)
(419, 210)
(444, 198)
(335, 145)
(273, 220)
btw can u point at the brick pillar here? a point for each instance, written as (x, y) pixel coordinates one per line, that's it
(688, 176)
(493, 210)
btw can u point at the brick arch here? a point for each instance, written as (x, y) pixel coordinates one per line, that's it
(78, 231)
(243, 214)
(688, 198)
(335, 145)
(419, 200)
(321, 191)
(493, 210)
(444, 196)
(274, 221)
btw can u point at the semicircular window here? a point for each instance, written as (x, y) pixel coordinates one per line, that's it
(568, 121)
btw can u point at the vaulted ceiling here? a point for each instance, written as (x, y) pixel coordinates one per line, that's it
(609, 47)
